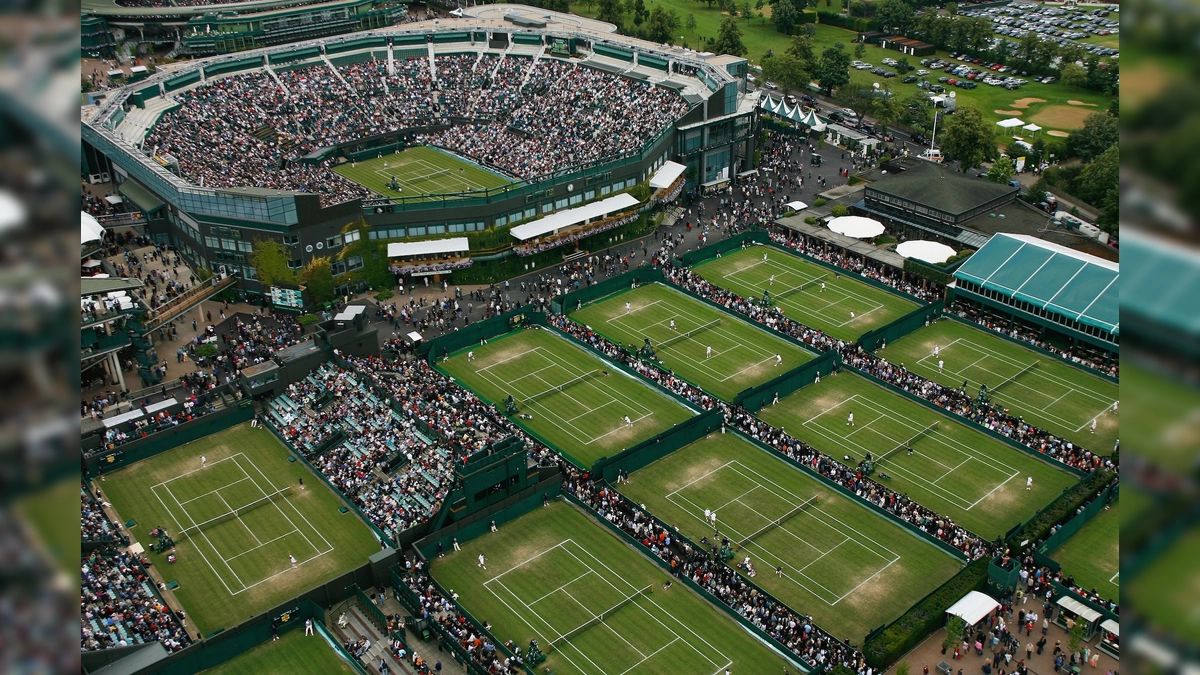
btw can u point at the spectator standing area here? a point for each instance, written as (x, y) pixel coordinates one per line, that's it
(565, 395)
(594, 605)
(421, 171)
(1046, 392)
(797, 291)
(953, 469)
(743, 355)
(1092, 555)
(235, 520)
(294, 654)
(850, 568)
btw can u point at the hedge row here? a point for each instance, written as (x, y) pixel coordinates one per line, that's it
(913, 266)
(1061, 510)
(923, 618)
(854, 23)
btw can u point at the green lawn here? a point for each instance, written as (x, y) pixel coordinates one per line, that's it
(1161, 413)
(585, 419)
(828, 309)
(846, 566)
(294, 654)
(421, 171)
(1092, 556)
(553, 570)
(953, 469)
(1167, 591)
(1053, 395)
(235, 568)
(743, 355)
(48, 511)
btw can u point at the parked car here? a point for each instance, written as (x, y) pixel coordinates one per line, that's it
(770, 85)
(909, 79)
(922, 72)
(808, 99)
(944, 79)
(1049, 80)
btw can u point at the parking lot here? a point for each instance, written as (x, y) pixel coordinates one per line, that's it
(1056, 24)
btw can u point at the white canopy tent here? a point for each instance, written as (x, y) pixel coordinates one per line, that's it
(433, 247)
(796, 206)
(666, 176)
(414, 337)
(973, 607)
(90, 229)
(1010, 123)
(1111, 626)
(928, 251)
(89, 264)
(572, 217)
(1089, 615)
(1032, 127)
(857, 227)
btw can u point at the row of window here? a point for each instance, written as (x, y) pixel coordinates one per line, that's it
(1035, 310)
(215, 243)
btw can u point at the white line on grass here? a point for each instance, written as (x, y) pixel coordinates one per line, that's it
(189, 501)
(239, 518)
(154, 489)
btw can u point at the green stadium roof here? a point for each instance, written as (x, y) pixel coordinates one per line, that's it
(1055, 278)
(1161, 290)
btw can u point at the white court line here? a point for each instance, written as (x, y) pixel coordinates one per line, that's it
(213, 546)
(239, 519)
(189, 501)
(280, 510)
(251, 550)
(531, 603)
(703, 477)
(153, 488)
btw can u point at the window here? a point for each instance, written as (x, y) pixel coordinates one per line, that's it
(337, 267)
(249, 272)
(437, 229)
(334, 241)
(212, 242)
(229, 244)
(606, 190)
(529, 213)
(455, 228)
(352, 236)
(589, 195)
(561, 203)
(245, 247)
(577, 199)
(291, 239)
(295, 264)
(547, 207)
(416, 231)
(354, 263)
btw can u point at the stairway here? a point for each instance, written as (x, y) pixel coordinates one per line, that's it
(338, 75)
(433, 74)
(275, 77)
(358, 626)
(532, 65)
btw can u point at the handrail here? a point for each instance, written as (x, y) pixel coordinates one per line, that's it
(203, 290)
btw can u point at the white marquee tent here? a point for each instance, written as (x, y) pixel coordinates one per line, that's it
(90, 229)
(928, 251)
(1010, 123)
(857, 227)
(973, 607)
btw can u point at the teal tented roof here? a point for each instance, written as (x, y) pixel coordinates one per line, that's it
(1055, 278)
(1162, 288)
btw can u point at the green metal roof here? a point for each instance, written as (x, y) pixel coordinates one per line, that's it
(1055, 278)
(140, 195)
(1162, 287)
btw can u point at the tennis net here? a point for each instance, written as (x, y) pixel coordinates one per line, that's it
(559, 387)
(796, 289)
(599, 617)
(1019, 373)
(683, 336)
(777, 522)
(428, 176)
(230, 515)
(908, 444)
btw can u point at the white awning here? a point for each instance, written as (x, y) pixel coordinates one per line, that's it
(1111, 626)
(1031, 127)
(433, 247)
(856, 226)
(89, 264)
(928, 251)
(415, 336)
(571, 217)
(350, 312)
(1010, 123)
(114, 199)
(666, 176)
(973, 607)
(1079, 609)
(90, 229)
(796, 206)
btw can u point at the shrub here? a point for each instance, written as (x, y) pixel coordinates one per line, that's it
(308, 319)
(207, 350)
(385, 294)
(839, 210)
(810, 220)
(819, 202)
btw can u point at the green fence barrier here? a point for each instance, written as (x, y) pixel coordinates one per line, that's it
(585, 295)
(1045, 352)
(169, 439)
(755, 398)
(959, 418)
(653, 449)
(427, 547)
(724, 246)
(472, 335)
(906, 324)
(1069, 528)
(1089, 489)
(369, 609)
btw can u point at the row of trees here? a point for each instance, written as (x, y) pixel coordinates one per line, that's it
(271, 259)
(799, 64)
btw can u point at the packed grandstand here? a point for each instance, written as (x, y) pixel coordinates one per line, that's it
(521, 117)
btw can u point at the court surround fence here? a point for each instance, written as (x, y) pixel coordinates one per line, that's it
(1032, 347)
(918, 318)
(755, 398)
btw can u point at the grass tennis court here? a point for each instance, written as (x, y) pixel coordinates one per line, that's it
(575, 401)
(1160, 411)
(743, 355)
(294, 654)
(952, 469)
(1167, 590)
(233, 567)
(552, 572)
(1092, 555)
(421, 171)
(796, 289)
(1053, 395)
(846, 566)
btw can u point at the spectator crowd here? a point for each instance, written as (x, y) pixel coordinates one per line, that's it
(118, 605)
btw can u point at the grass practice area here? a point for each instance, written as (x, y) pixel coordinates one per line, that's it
(1167, 590)
(294, 654)
(952, 469)
(742, 354)
(235, 520)
(1092, 555)
(1046, 392)
(835, 303)
(421, 171)
(594, 605)
(1161, 414)
(574, 400)
(848, 567)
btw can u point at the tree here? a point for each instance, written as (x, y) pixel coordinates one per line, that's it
(662, 25)
(902, 65)
(917, 112)
(318, 279)
(785, 15)
(801, 47)
(894, 14)
(968, 138)
(833, 69)
(1076, 636)
(903, 668)
(610, 11)
(785, 70)
(1102, 175)
(270, 260)
(887, 108)
(690, 24)
(1074, 75)
(729, 38)
(839, 210)
(1002, 171)
(860, 50)
(638, 9)
(955, 628)
(746, 9)
(952, 8)
(1098, 133)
